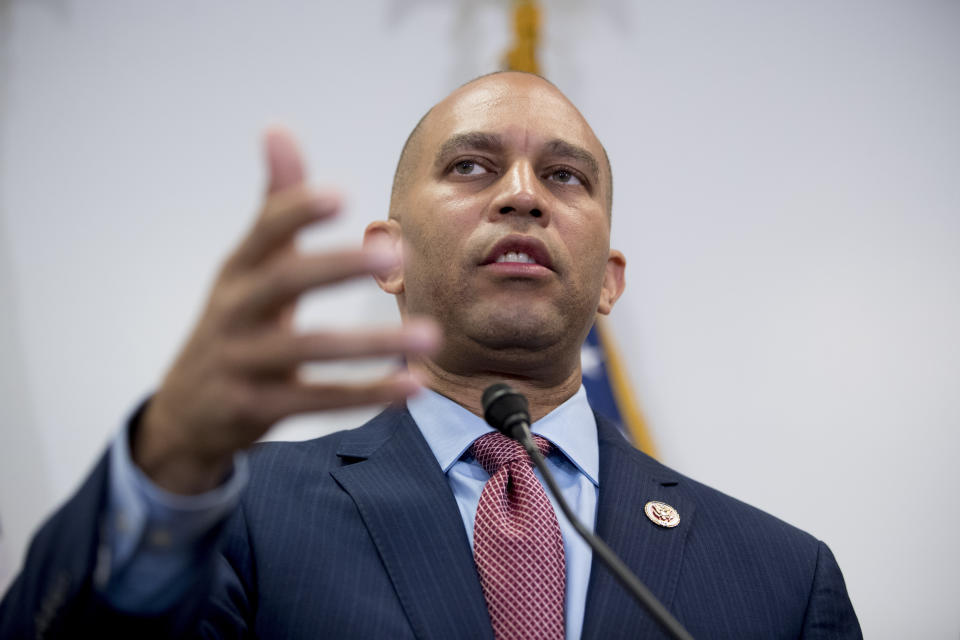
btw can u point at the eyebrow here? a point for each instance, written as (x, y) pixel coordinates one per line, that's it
(471, 140)
(564, 149)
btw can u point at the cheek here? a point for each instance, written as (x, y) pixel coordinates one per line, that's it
(432, 252)
(588, 242)
(441, 227)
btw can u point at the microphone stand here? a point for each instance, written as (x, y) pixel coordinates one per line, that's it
(514, 422)
(600, 549)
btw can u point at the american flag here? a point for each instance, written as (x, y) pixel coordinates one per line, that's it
(609, 390)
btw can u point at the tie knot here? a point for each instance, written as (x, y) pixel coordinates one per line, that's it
(494, 450)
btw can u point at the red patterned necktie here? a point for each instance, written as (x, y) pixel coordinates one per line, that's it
(517, 544)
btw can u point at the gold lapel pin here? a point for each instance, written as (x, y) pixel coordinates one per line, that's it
(662, 514)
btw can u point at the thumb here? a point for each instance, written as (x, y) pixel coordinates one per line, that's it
(284, 161)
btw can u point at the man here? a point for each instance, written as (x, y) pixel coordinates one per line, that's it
(498, 237)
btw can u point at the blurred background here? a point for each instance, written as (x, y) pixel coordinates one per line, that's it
(787, 193)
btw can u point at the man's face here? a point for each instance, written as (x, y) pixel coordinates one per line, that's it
(505, 224)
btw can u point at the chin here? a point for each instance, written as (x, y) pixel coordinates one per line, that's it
(518, 330)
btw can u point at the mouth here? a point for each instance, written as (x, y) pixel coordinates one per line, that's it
(516, 250)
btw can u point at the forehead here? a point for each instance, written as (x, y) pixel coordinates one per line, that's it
(523, 108)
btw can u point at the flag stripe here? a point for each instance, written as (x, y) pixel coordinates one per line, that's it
(627, 405)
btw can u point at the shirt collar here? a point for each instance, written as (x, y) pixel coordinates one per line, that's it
(449, 429)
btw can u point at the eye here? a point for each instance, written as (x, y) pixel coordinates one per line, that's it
(469, 168)
(564, 176)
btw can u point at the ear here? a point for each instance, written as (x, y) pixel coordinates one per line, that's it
(613, 281)
(380, 233)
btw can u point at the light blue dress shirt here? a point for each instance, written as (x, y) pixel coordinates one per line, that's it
(572, 428)
(151, 534)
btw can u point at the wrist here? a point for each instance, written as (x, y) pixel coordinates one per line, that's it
(166, 456)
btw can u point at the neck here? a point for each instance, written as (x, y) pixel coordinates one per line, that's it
(466, 390)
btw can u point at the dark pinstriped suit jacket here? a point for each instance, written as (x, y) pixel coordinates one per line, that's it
(357, 535)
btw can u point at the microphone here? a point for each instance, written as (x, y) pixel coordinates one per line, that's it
(508, 412)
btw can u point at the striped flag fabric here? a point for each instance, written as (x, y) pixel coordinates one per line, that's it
(608, 388)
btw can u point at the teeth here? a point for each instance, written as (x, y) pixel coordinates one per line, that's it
(515, 256)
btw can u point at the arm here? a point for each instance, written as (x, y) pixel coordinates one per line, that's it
(56, 596)
(152, 535)
(119, 582)
(236, 376)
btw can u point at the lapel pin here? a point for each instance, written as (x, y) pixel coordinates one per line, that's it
(662, 514)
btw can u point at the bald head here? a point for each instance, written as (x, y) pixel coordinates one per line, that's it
(401, 177)
(413, 149)
(501, 209)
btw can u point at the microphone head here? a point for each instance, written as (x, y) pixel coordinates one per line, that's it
(504, 408)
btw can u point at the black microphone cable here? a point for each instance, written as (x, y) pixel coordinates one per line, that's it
(507, 411)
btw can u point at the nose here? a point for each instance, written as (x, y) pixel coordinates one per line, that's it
(521, 194)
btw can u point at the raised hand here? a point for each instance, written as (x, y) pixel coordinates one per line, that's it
(237, 375)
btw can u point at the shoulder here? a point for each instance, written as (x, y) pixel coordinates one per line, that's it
(744, 556)
(726, 555)
(715, 516)
(744, 523)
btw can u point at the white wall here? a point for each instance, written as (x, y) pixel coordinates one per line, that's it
(787, 193)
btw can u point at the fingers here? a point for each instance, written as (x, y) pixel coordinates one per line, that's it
(278, 353)
(284, 160)
(236, 375)
(269, 289)
(285, 400)
(340, 396)
(283, 215)
(289, 206)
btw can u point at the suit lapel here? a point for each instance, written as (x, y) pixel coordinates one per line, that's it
(406, 503)
(628, 480)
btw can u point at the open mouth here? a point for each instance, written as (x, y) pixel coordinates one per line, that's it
(519, 250)
(516, 256)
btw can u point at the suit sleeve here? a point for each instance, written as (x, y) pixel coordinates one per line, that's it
(58, 594)
(829, 610)
(153, 535)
